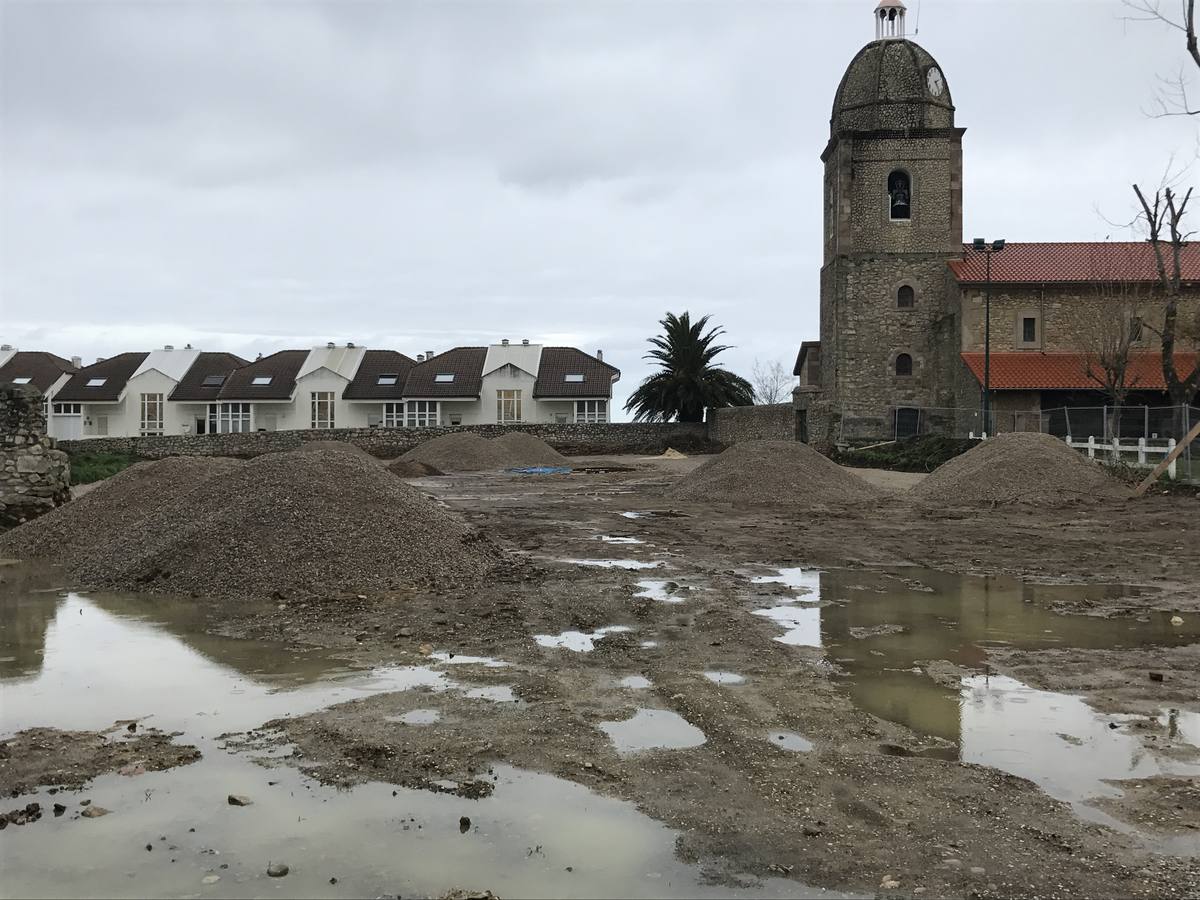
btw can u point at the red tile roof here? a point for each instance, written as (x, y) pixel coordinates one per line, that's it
(1051, 371)
(1108, 261)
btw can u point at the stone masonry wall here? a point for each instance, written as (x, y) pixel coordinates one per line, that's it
(776, 422)
(34, 476)
(570, 439)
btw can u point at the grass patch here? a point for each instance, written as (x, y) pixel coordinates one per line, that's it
(920, 454)
(89, 467)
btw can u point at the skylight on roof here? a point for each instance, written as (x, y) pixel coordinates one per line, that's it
(214, 380)
(387, 379)
(24, 379)
(444, 378)
(96, 382)
(260, 380)
(573, 378)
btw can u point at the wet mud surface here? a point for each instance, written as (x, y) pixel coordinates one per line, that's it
(952, 703)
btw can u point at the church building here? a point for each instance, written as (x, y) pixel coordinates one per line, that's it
(902, 298)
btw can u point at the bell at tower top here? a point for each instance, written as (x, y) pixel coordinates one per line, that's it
(889, 20)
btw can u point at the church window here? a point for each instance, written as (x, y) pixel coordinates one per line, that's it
(904, 365)
(899, 187)
(906, 297)
(1029, 329)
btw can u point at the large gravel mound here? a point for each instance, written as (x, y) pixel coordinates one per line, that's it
(520, 448)
(1021, 467)
(773, 472)
(410, 468)
(296, 523)
(463, 451)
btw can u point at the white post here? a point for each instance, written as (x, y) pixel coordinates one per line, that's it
(1069, 441)
(1141, 451)
(1171, 467)
(1091, 446)
(1116, 449)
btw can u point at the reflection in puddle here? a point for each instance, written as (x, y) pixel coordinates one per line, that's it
(653, 729)
(804, 581)
(648, 645)
(802, 624)
(496, 693)
(655, 514)
(725, 677)
(418, 717)
(636, 682)
(458, 659)
(105, 660)
(579, 641)
(616, 539)
(663, 591)
(631, 564)
(789, 740)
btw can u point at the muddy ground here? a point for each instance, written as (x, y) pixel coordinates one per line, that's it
(875, 806)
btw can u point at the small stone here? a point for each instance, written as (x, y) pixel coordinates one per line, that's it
(59, 809)
(1156, 676)
(1176, 621)
(239, 800)
(333, 880)
(464, 824)
(889, 883)
(94, 812)
(811, 831)
(277, 870)
(978, 870)
(210, 879)
(405, 632)
(149, 847)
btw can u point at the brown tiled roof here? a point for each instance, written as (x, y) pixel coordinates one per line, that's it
(558, 362)
(42, 368)
(1075, 263)
(281, 367)
(366, 386)
(1038, 371)
(464, 363)
(192, 386)
(116, 372)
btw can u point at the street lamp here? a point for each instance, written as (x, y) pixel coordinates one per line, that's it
(982, 246)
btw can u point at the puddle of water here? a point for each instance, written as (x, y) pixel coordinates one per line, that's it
(653, 729)
(418, 717)
(661, 591)
(789, 740)
(458, 659)
(630, 564)
(579, 641)
(648, 645)
(617, 539)
(879, 624)
(725, 677)
(496, 693)
(87, 662)
(804, 581)
(636, 682)
(655, 514)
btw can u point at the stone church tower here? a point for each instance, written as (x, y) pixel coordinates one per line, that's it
(893, 219)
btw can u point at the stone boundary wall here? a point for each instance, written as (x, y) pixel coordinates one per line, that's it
(570, 439)
(776, 422)
(34, 476)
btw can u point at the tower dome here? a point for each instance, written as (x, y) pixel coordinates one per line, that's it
(893, 84)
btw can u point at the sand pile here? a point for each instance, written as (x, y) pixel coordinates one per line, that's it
(463, 451)
(522, 449)
(410, 468)
(1021, 467)
(297, 523)
(773, 472)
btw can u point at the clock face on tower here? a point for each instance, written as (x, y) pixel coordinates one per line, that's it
(934, 81)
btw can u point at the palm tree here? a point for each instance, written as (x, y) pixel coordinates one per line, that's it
(688, 382)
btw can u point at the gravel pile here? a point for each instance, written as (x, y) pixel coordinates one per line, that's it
(522, 449)
(463, 451)
(1021, 467)
(300, 523)
(773, 472)
(410, 468)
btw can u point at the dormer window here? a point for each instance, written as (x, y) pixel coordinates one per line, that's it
(899, 187)
(213, 380)
(261, 380)
(575, 378)
(24, 379)
(387, 379)
(96, 382)
(444, 378)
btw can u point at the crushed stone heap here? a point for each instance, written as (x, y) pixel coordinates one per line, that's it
(409, 468)
(775, 473)
(1021, 467)
(462, 451)
(301, 523)
(522, 449)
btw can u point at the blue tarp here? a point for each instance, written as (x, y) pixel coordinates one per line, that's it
(541, 470)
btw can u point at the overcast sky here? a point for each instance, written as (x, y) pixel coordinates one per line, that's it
(254, 176)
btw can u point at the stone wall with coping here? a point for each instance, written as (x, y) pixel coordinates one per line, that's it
(35, 477)
(733, 424)
(573, 439)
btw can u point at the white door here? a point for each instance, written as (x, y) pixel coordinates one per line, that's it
(67, 428)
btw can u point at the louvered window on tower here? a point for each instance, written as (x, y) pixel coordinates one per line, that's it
(900, 196)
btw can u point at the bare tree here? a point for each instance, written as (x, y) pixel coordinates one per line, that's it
(1109, 339)
(772, 382)
(1164, 217)
(1172, 98)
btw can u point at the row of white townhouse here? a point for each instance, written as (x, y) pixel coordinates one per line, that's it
(188, 391)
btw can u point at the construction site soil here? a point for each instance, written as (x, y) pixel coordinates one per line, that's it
(882, 803)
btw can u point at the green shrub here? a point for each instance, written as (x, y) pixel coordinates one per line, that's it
(89, 467)
(920, 454)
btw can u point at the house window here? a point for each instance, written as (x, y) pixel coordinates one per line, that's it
(96, 382)
(904, 365)
(214, 380)
(444, 378)
(899, 196)
(322, 409)
(422, 413)
(387, 379)
(573, 379)
(24, 379)
(508, 406)
(228, 418)
(68, 409)
(152, 414)
(393, 415)
(908, 422)
(1136, 327)
(261, 380)
(906, 297)
(1029, 329)
(591, 410)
